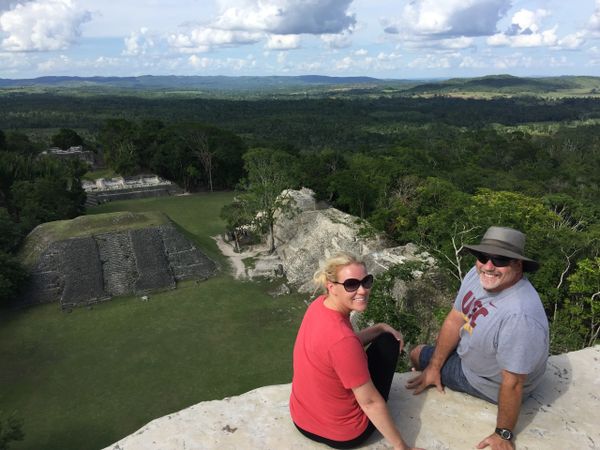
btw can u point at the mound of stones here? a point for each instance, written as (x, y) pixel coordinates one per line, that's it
(86, 270)
(307, 238)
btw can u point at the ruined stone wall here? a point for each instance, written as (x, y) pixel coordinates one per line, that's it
(96, 198)
(87, 270)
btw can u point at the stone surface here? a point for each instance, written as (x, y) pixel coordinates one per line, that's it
(561, 414)
(303, 241)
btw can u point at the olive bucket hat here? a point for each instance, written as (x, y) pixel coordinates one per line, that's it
(503, 241)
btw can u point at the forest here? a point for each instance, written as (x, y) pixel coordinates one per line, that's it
(435, 170)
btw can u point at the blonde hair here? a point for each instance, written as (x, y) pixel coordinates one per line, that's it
(329, 270)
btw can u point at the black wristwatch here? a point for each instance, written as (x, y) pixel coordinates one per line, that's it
(504, 433)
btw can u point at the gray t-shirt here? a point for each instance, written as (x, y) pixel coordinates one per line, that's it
(505, 330)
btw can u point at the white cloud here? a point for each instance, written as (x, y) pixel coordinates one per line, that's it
(594, 23)
(449, 18)
(215, 64)
(288, 16)
(525, 31)
(54, 65)
(526, 21)
(204, 39)
(546, 38)
(573, 41)
(468, 62)
(42, 25)
(337, 41)
(457, 43)
(279, 21)
(283, 42)
(430, 61)
(138, 42)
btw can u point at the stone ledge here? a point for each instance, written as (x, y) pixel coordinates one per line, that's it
(561, 414)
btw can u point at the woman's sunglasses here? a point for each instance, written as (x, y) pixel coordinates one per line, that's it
(497, 261)
(352, 284)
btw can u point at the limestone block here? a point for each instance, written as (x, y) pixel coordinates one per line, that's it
(560, 414)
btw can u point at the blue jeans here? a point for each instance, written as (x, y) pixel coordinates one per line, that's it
(452, 373)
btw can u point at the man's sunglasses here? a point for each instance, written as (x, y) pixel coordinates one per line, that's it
(352, 284)
(497, 261)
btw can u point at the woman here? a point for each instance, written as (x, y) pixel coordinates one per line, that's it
(339, 391)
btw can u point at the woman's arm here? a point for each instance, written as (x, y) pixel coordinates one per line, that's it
(367, 335)
(374, 406)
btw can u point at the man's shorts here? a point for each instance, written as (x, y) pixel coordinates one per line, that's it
(452, 373)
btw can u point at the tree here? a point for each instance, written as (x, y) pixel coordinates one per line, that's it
(46, 199)
(12, 277)
(584, 285)
(117, 139)
(66, 138)
(11, 429)
(10, 234)
(269, 173)
(236, 217)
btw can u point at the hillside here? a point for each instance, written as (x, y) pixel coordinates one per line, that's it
(266, 86)
(514, 86)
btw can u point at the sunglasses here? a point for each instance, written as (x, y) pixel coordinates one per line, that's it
(497, 261)
(352, 284)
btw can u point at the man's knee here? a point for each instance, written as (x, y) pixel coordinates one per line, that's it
(415, 355)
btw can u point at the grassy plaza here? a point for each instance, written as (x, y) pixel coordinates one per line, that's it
(84, 379)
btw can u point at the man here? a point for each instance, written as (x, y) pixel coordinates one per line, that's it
(494, 342)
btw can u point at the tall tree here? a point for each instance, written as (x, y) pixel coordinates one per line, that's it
(66, 138)
(269, 173)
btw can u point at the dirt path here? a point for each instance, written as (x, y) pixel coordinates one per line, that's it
(237, 259)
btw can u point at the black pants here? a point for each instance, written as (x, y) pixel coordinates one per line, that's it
(382, 355)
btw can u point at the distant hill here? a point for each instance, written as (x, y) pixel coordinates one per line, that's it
(257, 86)
(195, 82)
(511, 85)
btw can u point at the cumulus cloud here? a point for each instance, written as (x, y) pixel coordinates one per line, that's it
(450, 18)
(573, 41)
(138, 42)
(337, 41)
(288, 16)
(594, 24)
(525, 31)
(41, 25)
(283, 42)
(236, 64)
(203, 39)
(279, 21)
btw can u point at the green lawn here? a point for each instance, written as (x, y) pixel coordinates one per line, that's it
(85, 379)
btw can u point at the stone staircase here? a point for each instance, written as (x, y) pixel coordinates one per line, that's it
(118, 262)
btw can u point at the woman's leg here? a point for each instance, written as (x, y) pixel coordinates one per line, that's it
(383, 357)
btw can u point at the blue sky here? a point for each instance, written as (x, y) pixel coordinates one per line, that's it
(402, 39)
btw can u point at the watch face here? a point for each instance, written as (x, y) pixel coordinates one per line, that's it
(504, 433)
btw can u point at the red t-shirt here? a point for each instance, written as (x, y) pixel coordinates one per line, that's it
(329, 361)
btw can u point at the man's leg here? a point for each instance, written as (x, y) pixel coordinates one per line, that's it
(451, 373)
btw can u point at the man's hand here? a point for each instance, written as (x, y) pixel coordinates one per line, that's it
(495, 442)
(429, 377)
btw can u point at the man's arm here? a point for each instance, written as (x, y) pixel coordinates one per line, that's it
(374, 406)
(446, 343)
(509, 406)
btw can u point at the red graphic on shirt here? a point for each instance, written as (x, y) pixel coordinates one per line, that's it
(472, 309)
